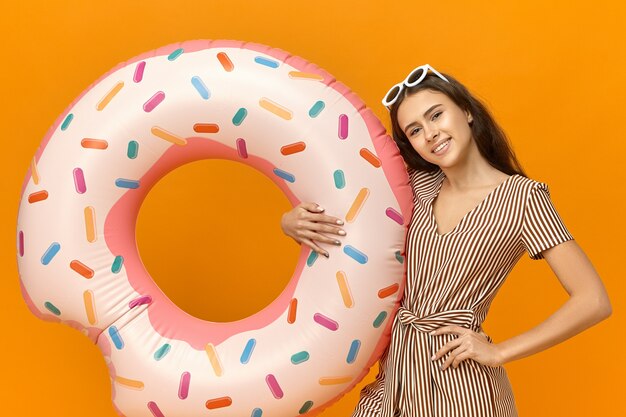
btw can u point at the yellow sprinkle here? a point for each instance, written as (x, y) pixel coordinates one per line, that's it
(357, 204)
(107, 99)
(34, 172)
(276, 108)
(305, 76)
(342, 280)
(335, 380)
(130, 383)
(168, 136)
(215, 361)
(90, 224)
(90, 307)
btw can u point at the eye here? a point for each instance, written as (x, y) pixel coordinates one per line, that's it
(414, 131)
(436, 115)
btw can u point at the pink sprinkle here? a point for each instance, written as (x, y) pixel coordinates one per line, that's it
(394, 215)
(146, 299)
(343, 126)
(241, 148)
(277, 392)
(20, 239)
(139, 71)
(154, 101)
(183, 388)
(330, 324)
(156, 412)
(79, 181)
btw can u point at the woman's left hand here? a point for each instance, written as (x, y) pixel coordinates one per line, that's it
(468, 345)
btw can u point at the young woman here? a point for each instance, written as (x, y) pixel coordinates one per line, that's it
(475, 214)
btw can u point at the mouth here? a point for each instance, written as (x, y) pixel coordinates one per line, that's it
(441, 146)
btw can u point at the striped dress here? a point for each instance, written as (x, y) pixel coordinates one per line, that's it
(452, 279)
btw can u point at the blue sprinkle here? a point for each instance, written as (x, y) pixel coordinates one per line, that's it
(312, 257)
(284, 175)
(67, 121)
(247, 351)
(162, 351)
(200, 87)
(399, 257)
(240, 116)
(52, 308)
(124, 183)
(355, 254)
(379, 319)
(175, 54)
(266, 61)
(116, 338)
(257, 412)
(300, 357)
(340, 179)
(52, 250)
(317, 108)
(354, 351)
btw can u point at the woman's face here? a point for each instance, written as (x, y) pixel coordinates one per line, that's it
(436, 127)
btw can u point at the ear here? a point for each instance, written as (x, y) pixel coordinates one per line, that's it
(470, 119)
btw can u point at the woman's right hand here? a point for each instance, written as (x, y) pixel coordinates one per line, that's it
(305, 223)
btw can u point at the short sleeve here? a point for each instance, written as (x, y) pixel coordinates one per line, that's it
(542, 228)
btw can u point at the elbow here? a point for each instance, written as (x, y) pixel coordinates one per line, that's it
(603, 308)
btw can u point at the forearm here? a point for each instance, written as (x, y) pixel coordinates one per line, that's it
(574, 316)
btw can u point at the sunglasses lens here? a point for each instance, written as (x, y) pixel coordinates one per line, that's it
(416, 76)
(392, 94)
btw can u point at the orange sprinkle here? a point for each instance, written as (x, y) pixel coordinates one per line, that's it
(387, 291)
(131, 383)
(357, 204)
(109, 96)
(33, 171)
(170, 137)
(277, 109)
(218, 403)
(293, 148)
(94, 143)
(206, 128)
(90, 306)
(214, 359)
(37, 196)
(342, 280)
(81, 268)
(335, 380)
(305, 76)
(370, 157)
(293, 307)
(225, 61)
(90, 224)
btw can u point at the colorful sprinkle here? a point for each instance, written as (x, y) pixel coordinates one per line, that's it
(52, 308)
(206, 128)
(130, 383)
(343, 126)
(239, 117)
(387, 291)
(79, 181)
(242, 150)
(275, 108)
(284, 175)
(82, 269)
(94, 143)
(90, 307)
(145, 299)
(277, 392)
(293, 148)
(52, 250)
(317, 108)
(117, 264)
(154, 101)
(334, 380)
(109, 96)
(218, 403)
(306, 407)
(175, 54)
(138, 76)
(305, 76)
(183, 386)
(116, 338)
(162, 351)
(327, 322)
(357, 204)
(20, 242)
(67, 121)
(34, 172)
(346, 295)
(266, 61)
(300, 357)
(354, 350)
(394, 215)
(293, 308)
(370, 157)
(257, 412)
(227, 64)
(133, 149)
(214, 359)
(37, 196)
(355, 254)
(124, 183)
(379, 319)
(312, 258)
(340, 179)
(155, 410)
(168, 136)
(90, 224)
(247, 351)
(200, 87)
(399, 257)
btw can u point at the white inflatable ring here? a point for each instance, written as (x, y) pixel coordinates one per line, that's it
(315, 139)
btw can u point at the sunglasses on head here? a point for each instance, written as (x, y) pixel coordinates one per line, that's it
(414, 78)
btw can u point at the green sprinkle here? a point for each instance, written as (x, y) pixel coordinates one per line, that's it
(162, 351)
(300, 357)
(117, 264)
(52, 308)
(133, 149)
(306, 407)
(67, 121)
(175, 54)
(379, 319)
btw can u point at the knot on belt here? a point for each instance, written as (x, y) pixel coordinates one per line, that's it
(434, 321)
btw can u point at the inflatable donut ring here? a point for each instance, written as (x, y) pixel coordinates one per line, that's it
(243, 102)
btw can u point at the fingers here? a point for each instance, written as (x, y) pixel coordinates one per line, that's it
(308, 232)
(446, 348)
(452, 357)
(316, 248)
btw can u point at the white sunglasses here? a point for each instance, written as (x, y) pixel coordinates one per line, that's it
(414, 78)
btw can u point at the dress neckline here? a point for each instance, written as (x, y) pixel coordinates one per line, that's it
(442, 176)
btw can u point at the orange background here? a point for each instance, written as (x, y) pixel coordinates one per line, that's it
(552, 73)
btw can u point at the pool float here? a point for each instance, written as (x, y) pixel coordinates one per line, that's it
(289, 119)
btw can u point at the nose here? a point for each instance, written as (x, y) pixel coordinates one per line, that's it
(430, 133)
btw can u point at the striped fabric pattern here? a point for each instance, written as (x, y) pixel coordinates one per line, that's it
(452, 278)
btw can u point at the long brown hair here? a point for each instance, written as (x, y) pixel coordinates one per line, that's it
(491, 140)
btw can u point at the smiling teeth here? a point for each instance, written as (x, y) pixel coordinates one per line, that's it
(440, 147)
